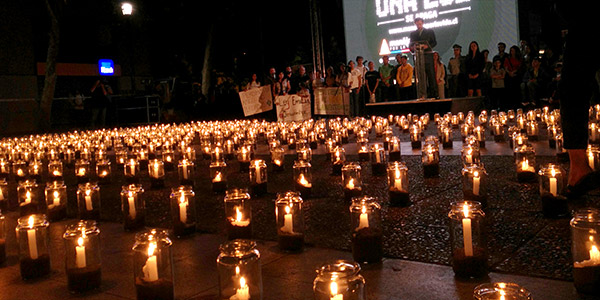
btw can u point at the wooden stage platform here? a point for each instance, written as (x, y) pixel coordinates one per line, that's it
(431, 106)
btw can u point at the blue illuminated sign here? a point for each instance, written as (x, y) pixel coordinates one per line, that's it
(106, 66)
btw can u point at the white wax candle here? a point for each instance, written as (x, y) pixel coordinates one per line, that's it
(27, 198)
(150, 269)
(476, 180)
(593, 261)
(303, 182)
(184, 172)
(239, 219)
(31, 240)
(88, 201)
(55, 199)
(258, 174)
(397, 180)
(80, 261)
(81, 172)
(218, 177)
(364, 219)
(132, 169)
(350, 184)
(1, 195)
(467, 234)
(288, 224)
(183, 203)
(131, 204)
(155, 173)
(553, 187)
(591, 159)
(377, 156)
(243, 293)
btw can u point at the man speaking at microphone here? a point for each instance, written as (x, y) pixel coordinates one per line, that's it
(425, 37)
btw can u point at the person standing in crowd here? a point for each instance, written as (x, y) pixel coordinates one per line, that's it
(317, 81)
(440, 75)
(535, 83)
(303, 79)
(513, 65)
(474, 64)
(458, 70)
(354, 82)
(501, 52)
(100, 101)
(271, 79)
(291, 79)
(497, 94)
(404, 77)
(385, 71)
(372, 78)
(362, 69)
(486, 82)
(341, 79)
(282, 85)
(330, 77)
(426, 37)
(253, 83)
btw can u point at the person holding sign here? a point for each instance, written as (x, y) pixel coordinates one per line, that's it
(426, 39)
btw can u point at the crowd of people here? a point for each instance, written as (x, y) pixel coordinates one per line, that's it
(517, 78)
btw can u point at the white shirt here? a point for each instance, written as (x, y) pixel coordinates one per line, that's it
(354, 78)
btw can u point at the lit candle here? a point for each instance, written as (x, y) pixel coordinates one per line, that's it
(31, 240)
(476, 181)
(302, 181)
(20, 173)
(184, 169)
(88, 200)
(56, 173)
(334, 292)
(1, 195)
(591, 159)
(81, 172)
(218, 177)
(132, 167)
(430, 155)
(364, 219)
(525, 167)
(27, 198)
(288, 225)
(467, 235)
(243, 293)
(80, 253)
(55, 199)
(239, 219)
(397, 180)
(277, 162)
(131, 202)
(155, 168)
(150, 269)
(258, 173)
(469, 156)
(350, 184)
(594, 257)
(183, 203)
(553, 184)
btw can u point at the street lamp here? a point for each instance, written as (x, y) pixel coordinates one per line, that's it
(126, 8)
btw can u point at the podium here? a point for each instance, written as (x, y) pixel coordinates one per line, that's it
(420, 73)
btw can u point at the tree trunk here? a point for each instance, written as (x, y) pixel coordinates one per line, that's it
(50, 76)
(206, 67)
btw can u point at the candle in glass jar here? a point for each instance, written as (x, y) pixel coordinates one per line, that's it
(131, 203)
(553, 183)
(350, 184)
(243, 293)
(467, 234)
(303, 182)
(55, 199)
(288, 224)
(397, 180)
(27, 198)
(88, 200)
(150, 269)
(364, 219)
(476, 182)
(239, 219)
(80, 261)
(31, 240)
(183, 203)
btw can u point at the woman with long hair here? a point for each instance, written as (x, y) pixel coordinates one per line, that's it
(440, 75)
(513, 65)
(475, 64)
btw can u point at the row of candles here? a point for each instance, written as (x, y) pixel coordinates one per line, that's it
(239, 260)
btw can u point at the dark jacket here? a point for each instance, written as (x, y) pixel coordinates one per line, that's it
(426, 35)
(475, 64)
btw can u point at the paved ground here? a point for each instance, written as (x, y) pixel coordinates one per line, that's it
(524, 247)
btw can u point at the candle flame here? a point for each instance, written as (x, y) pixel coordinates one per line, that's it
(30, 221)
(130, 194)
(151, 248)
(553, 172)
(333, 288)
(302, 180)
(351, 184)
(364, 209)
(287, 210)
(397, 174)
(242, 282)
(80, 241)
(28, 195)
(237, 270)
(476, 174)
(56, 194)
(87, 192)
(182, 198)
(238, 214)
(525, 164)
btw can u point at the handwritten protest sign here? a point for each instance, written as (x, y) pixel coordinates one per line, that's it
(331, 101)
(257, 100)
(293, 107)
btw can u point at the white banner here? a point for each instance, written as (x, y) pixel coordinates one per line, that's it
(257, 100)
(293, 107)
(332, 101)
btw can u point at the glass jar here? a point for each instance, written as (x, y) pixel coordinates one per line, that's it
(475, 182)
(103, 171)
(217, 154)
(446, 137)
(367, 230)
(338, 158)
(525, 163)
(133, 206)
(479, 133)
(585, 231)
(244, 155)
(351, 180)
(153, 265)
(238, 214)
(258, 177)
(430, 157)
(4, 168)
(156, 172)
(19, 170)
(218, 176)
(82, 171)
(33, 240)
(132, 171)
(186, 170)
(470, 155)
(551, 182)
(56, 200)
(469, 253)
(533, 130)
(339, 280)
(277, 158)
(183, 210)
(593, 157)
(498, 132)
(88, 201)
(304, 153)
(34, 170)
(2, 238)
(398, 184)
(189, 153)
(415, 136)
(518, 140)
(562, 155)
(378, 160)
(303, 178)
(82, 256)
(239, 267)
(290, 221)
(394, 149)
(501, 290)
(4, 204)
(29, 202)
(168, 157)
